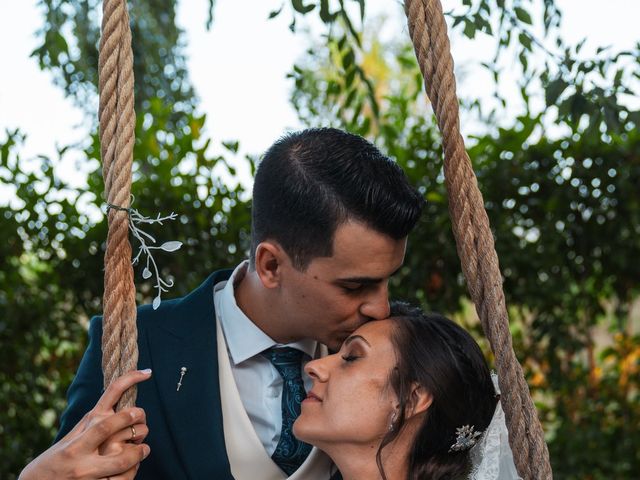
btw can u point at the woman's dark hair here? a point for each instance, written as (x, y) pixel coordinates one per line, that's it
(445, 360)
(310, 182)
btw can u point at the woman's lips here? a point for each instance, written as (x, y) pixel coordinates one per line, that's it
(312, 397)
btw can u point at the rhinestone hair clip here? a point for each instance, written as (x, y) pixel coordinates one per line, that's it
(465, 438)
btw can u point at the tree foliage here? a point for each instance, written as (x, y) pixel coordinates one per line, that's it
(564, 206)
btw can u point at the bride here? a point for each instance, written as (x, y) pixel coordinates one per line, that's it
(406, 398)
(409, 397)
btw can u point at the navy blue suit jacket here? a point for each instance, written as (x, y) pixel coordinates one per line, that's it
(185, 427)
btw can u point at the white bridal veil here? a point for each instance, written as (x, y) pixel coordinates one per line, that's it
(491, 456)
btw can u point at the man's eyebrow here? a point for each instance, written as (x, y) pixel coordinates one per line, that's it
(366, 280)
(354, 337)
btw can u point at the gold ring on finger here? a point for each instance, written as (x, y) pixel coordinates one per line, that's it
(133, 432)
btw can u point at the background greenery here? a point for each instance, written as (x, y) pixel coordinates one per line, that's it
(564, 206)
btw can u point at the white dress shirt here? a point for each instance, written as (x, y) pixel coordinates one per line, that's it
(258, 381)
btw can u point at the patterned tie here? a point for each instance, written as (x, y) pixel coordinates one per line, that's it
(290, 452)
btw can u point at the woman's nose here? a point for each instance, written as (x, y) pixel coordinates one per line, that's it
(318, 369)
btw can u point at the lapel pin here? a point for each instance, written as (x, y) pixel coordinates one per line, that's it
(183, 370)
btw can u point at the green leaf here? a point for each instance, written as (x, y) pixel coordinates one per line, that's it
(524, 61)
(525, 40)
(299, 6)
(325, 13)
(350, 98)
(486, 27)
(617, 79)
(523, 15)
(553, 91)
(341, 42)
(275, 13)
(348, 59)
(361, 3)
(231, 146)
(348, 79)
(366, 126)
(469, 29)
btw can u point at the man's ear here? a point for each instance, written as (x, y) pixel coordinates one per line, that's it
(269, 259)
(419, 401)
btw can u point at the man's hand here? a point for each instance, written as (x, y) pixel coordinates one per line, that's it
(104, 444)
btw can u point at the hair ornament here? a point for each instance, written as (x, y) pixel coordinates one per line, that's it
(147, 245)
(465, 438)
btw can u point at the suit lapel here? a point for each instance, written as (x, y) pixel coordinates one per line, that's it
(186, 337)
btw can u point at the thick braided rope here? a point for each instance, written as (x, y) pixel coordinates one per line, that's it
(117, 136)
(474, 239)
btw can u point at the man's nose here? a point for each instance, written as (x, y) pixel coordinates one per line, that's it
(376, 306)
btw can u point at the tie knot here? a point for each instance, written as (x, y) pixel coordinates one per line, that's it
(287, 361)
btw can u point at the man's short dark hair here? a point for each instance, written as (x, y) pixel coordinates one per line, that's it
(310, 182)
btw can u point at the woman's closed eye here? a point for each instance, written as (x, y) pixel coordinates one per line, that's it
(354, 347)
(350, 357)
(352, 353)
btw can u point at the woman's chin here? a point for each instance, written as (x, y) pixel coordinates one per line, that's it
(299, 430)
(304, 430)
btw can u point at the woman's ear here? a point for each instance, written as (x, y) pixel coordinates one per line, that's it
(419, 400)
(268, 263)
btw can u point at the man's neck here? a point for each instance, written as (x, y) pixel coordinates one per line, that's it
(256, 303)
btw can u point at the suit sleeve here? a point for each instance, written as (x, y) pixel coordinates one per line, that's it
(86, 388)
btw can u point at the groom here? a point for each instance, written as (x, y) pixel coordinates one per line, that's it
(330, 217)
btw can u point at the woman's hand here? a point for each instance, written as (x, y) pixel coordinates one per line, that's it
(103, 445)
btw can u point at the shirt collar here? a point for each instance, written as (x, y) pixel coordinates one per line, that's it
(244, 338)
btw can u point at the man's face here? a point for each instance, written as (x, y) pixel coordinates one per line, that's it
(337, 294)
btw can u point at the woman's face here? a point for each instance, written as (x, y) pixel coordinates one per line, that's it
(351, 401)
